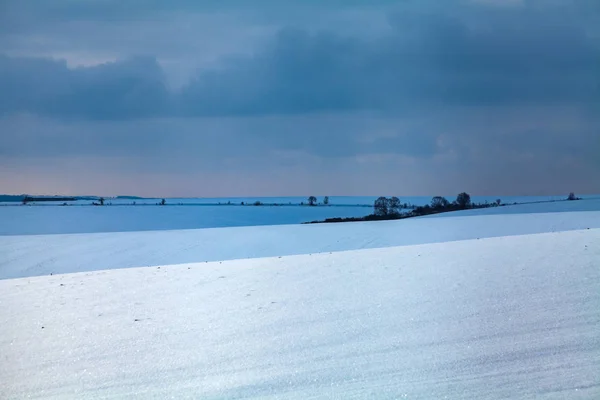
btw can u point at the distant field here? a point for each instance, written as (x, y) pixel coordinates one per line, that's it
(50, 218)
(297, 200)
(44, 254)
(34, 220)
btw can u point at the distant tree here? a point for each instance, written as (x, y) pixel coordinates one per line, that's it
(463, 200)
(439, 202)
(163, 202)
(394, 205)
(101, 201)
(242, 203)
(381, 206)
(572, 196)
(498, 202)
(257, 203)
(326, 200)
(312, 201)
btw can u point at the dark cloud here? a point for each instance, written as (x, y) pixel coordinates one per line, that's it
(520, 56)
(207, 141)
(517, 55)
(125, 89)
(69, 10)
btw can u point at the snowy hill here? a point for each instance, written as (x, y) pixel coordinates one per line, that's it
(46, 254)
(507, 317)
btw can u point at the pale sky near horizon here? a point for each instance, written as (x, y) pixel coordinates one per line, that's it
(274, 98)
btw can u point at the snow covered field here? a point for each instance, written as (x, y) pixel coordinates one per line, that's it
(46, 218)
(458, 305)
(509, 317)
(45, 254)
(39, 220)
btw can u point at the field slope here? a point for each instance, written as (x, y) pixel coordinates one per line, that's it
(54, 254)
(505, 317)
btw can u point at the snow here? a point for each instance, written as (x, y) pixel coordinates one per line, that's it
(32, 220)
(53, 219)
(505, 317)
(22, 256)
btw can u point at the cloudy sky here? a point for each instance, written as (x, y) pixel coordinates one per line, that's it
(327, 97)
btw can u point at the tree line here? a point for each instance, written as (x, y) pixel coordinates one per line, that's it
(391, 206)
(386, 208)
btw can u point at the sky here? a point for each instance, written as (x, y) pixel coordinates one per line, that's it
(272, 98)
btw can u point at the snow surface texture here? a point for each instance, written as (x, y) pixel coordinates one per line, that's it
(510, 317)
(22, 256)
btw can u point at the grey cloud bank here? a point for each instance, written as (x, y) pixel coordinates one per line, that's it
(484, 94)
(518, 56)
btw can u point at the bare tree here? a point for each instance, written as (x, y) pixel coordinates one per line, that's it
(439, 202)
(463, 200)
(381, 206)
(498, 202)
(394, 205)
(163, 202)
(101, 201)
(572, 196)
(312, 201)
(326, 200)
